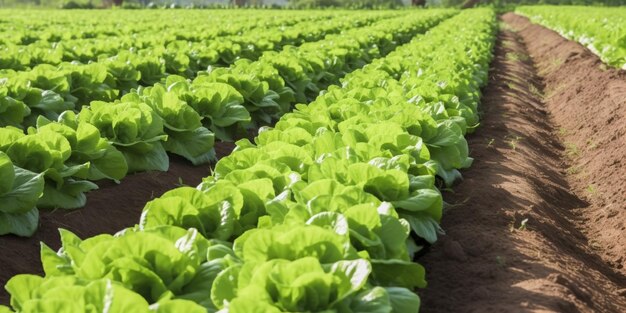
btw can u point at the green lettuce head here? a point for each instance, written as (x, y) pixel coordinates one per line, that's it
(19, 192)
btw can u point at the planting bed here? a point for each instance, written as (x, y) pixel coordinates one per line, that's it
(110, 208)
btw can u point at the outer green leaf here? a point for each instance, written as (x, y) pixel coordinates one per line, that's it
(71, 195)
(196, 145)
(403, 300)
(21, 224)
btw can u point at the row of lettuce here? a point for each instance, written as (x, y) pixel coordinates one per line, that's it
(20, 27)
(50, 89)
(56, 161)
(190, 51)
(320, 214)
(54, 47)
(602, 30)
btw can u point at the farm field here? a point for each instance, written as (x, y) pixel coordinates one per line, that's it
(437, 160)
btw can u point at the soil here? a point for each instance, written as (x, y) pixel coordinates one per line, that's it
(524, 232)
(109, 209)
(587, 100)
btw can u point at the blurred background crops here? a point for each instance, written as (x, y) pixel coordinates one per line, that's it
(277, 4)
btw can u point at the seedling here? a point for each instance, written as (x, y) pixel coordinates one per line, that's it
(512, 56)
(554, 63)
(572, 150)
(573, 170)
(591, 189)
(591, 144)
(505, 26)
(515, 56)
(512, 141)
(513, 145)
(508, 44)
(523, 224)
(535, 91)
(595, 245)
(510, 85)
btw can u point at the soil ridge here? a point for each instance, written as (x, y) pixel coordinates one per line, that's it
(515, 217)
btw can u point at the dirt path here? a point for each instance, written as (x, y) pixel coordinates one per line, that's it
(108, 210)
(515, 237)
(587, 100)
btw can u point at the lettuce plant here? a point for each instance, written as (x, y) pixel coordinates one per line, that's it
(69, 294)
(87, 146)
(319, 213)
(135, 129)
(12, 111)
(185, 134)
(20, 190)
(48, 153)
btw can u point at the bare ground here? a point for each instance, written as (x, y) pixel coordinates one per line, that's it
(523, 235)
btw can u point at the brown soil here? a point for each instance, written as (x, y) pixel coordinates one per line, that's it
(522, 234)
(109, 209)
(587, 100)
